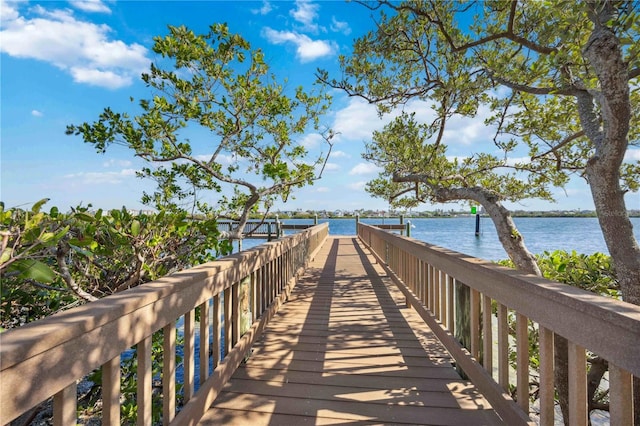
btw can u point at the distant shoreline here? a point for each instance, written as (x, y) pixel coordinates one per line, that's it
(452, 215)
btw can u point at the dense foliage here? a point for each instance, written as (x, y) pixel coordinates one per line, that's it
(53, 260)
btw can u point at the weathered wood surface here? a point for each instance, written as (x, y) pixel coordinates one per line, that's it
(346, 350)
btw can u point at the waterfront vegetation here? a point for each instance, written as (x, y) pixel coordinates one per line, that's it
(53, 261)
(562, 95)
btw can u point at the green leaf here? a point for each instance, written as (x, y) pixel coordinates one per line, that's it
(135, 228)
(81, 251)
(34, 270)
(84, 217)
(36, 207)
(6, 255)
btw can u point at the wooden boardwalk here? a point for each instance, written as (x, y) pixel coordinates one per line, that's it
(344, 350)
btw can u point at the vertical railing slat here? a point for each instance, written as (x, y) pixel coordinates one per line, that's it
(547, 390)
(577, 385)
(216, 327)
(522, 363)
(204, 341)
(168, 373)
(443, 297)
(227, 321)
(487, 335)
(189, 355)
(430, 289)
(475, 323)
(111, 392)
(436, 293)
(450, 309)
(65, 404)
(254, 296)
(143, 386)
(235, 313)
(503, 347)
(620, 396)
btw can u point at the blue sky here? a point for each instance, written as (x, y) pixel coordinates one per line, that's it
(64, 62)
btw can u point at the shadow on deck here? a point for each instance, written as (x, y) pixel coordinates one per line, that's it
(345, 350)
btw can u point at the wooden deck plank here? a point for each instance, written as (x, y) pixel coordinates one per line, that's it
(342, 351)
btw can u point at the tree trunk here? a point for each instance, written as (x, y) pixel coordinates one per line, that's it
(508, 234)
(604, 53)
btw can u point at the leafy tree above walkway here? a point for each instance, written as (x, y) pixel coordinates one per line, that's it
(217, 121)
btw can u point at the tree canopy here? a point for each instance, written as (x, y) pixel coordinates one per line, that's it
(218, 121)
(559, 79)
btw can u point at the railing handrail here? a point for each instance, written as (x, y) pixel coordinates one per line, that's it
(86, 337)
(561, 308)
(456, 295)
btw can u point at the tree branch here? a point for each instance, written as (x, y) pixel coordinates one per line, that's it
(61, 253)
(564, 142)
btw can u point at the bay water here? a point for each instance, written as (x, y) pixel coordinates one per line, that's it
(582, 234)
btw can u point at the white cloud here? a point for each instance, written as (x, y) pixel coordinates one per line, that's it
(264, 10)
(36, 113)
(83, 49)
(306, 13)
(323, 189)
(224, 159)
(469, 130)
(357, 186)
(331, 167)
(96, 77)
(340, 26)
(311, 140)
(91, 6)
(95, 178)
(306, 49)
(8, 11)
(512, 161)
(357, 121)
(340, 154)
(632, 155)
(117, 163)
(364, 169)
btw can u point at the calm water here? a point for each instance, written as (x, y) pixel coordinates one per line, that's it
(540, 234)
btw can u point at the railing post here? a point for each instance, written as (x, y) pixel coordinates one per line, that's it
(168, 373)
(64, 406)
(578, 413)
(145, 376)
(621, 389)
(463, 318)
(522, 357)
(111, 392)
(189, 355)
(547, 390)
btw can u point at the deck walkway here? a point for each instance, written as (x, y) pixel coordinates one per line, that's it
(344, 350)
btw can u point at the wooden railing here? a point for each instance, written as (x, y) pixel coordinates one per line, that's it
(267, 230)
(48, 357)
(431, 279)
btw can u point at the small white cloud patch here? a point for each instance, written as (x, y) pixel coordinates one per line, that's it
(364, 169)
(306, 49)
